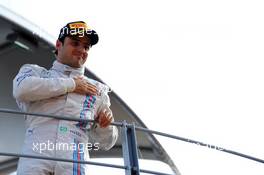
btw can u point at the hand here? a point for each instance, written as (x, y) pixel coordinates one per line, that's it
(84, 87)
(105, 117)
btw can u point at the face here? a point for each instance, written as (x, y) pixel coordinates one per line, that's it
(74, 51)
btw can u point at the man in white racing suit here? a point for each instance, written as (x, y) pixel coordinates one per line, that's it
(63, 90)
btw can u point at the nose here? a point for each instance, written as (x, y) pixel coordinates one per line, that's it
(81, 49)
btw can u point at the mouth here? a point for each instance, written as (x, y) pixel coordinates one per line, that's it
(78, 56)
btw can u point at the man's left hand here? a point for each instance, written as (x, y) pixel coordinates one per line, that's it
(105, 117)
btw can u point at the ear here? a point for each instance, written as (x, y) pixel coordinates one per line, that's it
(58, 44)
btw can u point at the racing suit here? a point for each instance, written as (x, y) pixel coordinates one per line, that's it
(39, 90)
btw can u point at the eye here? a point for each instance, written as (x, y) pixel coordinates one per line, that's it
(75, 43)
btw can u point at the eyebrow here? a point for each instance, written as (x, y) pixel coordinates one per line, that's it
(76, 39)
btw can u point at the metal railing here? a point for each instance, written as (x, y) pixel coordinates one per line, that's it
(129, 145)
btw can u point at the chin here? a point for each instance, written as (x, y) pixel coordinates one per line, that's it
(76, 65)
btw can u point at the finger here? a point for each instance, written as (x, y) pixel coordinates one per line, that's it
(100, 117)
(91, 90)
(92, 87)
(103, 121)
(109, 113)
(105, 124)
(104, 111)
(106, 121)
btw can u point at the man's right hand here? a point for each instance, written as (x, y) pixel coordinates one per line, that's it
(83, 87)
